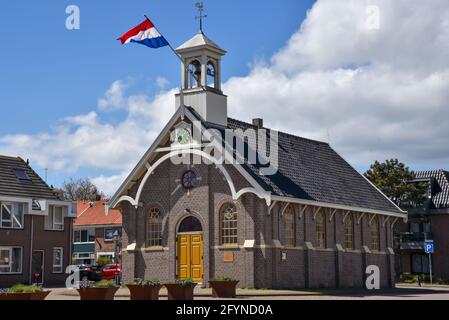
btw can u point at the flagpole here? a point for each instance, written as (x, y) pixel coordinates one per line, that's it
(181, 93)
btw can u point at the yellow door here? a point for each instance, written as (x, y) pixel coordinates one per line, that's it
(190, 257)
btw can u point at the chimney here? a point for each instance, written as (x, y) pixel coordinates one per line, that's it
(258, 122)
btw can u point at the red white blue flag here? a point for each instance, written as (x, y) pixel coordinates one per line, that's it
(146, 34)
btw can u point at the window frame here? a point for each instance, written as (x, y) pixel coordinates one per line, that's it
(289, 224)
(51, 215)
(15, 207)
(153, 229)
(11, 249)
(375, 245)
(104, 235)
(349, 222)
(88, 233)
(320, 234)
(53, 261)
(232, 229)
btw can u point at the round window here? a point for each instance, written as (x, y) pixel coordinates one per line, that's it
(189, 180)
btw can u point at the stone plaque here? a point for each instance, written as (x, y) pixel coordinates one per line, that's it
(228, 257)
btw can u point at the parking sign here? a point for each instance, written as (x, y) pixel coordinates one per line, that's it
(428, 246)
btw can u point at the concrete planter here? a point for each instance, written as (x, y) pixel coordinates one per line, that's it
(24, 296)
(145, 292)
(97, 293)
(223, 289)
(180, 292)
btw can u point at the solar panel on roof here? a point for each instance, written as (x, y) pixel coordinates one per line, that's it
(21, 174)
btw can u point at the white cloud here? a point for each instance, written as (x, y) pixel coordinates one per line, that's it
(113, 99)
(162, 82)
(381, 93)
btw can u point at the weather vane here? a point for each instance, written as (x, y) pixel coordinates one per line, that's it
(200, 7)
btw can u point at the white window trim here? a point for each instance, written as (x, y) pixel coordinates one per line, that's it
(88, 236)
(62, 261)
(51, 215)
(10, 260)
(104, 235)
(13, 217)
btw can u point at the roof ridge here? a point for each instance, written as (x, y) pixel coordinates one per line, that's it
(281, 132)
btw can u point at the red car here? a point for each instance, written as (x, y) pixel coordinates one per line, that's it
(110, 271)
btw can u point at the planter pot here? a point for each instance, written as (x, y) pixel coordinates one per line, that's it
(24, 296)
(144, 292)
(179, 292)
(97, 293)
(223, 289)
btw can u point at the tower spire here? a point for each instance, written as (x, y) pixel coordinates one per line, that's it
(200, 8)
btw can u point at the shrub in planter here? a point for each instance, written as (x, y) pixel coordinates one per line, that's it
(144, 289)
(223, 287)
(180, 289)
(101, 290)
(23, 292)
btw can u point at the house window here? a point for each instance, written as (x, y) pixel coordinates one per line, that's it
(420, 263)
(289, 227)
(154, 228)
(57, 260)
(108, 234)
(12, 215)
(83, 236)
(321, 230)
(21, 175)
(10, 260)
(54, 220)
(375, 239)
(228, 216)
(349, 233)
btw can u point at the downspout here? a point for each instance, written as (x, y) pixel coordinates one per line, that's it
(31, 251)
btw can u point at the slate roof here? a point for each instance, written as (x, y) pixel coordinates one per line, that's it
(93, 213)
(199, 40)
(11, 185)
(439, 187)
(312, 170)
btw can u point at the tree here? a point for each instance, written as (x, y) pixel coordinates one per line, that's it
(395, 180)
(80, 190)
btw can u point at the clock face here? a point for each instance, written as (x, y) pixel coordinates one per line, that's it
(183, 136)
(189, 180)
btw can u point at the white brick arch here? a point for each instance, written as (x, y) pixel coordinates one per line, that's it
(235, 194)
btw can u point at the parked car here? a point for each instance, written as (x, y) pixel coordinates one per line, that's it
(110, 271)
(89, 273)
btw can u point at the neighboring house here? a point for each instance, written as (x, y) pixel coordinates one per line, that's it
(317, 222)
(35, 227)
(427, 222)
(93, 232)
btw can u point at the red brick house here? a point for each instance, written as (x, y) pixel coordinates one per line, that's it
(35, 227)
(93, 232)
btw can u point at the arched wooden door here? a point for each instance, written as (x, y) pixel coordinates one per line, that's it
(190, 250)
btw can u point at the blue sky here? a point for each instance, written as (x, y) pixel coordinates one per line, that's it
(325, 72)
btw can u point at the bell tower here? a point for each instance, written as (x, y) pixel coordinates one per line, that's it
(201, 77)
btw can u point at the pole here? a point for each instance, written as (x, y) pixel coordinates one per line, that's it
(181, 93)
(430, 268)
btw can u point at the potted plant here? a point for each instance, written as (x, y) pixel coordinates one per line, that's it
(101, 290)
(144, 289)
(180, 289)
(24, 292)
(223, 287)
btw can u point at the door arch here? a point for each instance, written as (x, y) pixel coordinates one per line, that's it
(189, 251)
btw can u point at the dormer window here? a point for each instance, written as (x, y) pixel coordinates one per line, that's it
(194, 76)
(22, 175)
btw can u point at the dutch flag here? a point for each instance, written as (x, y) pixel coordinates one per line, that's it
(146, 34)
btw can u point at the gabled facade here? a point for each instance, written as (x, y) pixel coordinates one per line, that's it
(93, 233)
(314, 221)
(35, 227)
(427, 222)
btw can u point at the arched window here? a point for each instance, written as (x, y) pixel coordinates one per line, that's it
(321, 230)
(194, 74)
(190, 224)
(154, 228)
(289, 227)
(228, 218)
(211, 75)
(349, 232)
(375, 239)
